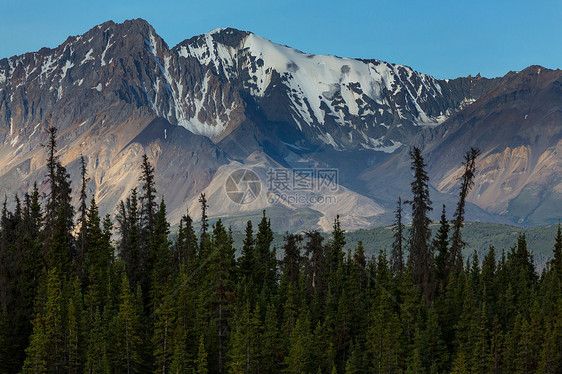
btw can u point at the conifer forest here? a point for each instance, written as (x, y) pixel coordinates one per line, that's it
(81, 293)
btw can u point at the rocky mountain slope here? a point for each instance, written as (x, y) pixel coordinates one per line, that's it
(230, 99)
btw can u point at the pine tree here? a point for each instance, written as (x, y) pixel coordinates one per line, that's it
(420, 260)
(53, 203)
(270, 349)
(148, 199)
(336, 247)
(83, 211)
(397, 255)
(46, 348)
(74, 323)
(58, 254)
(298, 358)
(96, 360)
(204, 237)
(201, 365)
(291, 264)
(245, 352)
(385, 332)
(265, 274)
(556, 262)
(441, 247)
(29, 247)
(467, 181)
(496, 347)
(480, 358)
(127, 349)
(246, 265)
(216, 304)
(159, 259)
(186, 246)
(316, 266)
(129, 244)
(164, 328)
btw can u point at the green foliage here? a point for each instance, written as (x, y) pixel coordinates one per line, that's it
(80, 305)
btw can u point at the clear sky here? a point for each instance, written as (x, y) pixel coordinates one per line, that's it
(443, 38)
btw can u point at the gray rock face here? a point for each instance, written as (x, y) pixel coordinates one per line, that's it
(222, 98)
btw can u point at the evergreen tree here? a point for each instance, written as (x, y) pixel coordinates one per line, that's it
(46, 349)
(217, 302)
(556, 262)
(159, 258)
(83, 211)
(128, 340)
(129, 244)
(74, 323)
(164, 329)
(467, 181)
(148, 199)
(336, 247)
(265, 274)
(246, 264)
(186, 247)
(298, 358)
(316, 266)
(270, 349)
(204, 225)
(441, 247)
(96, 360)
(291, 263)
(397, 255)
(245, 352)
(201, 365)
(420, 260)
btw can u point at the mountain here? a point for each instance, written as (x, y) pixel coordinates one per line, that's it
(231, 100)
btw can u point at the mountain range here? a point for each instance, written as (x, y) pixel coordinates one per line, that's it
(231, 100)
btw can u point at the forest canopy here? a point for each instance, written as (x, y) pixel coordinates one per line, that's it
(73, 300)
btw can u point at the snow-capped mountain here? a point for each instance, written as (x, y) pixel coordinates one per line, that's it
(340, 102)
(219, 101)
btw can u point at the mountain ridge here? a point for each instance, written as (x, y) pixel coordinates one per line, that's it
(235, 95)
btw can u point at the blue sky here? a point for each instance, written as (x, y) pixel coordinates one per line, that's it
(442, 38)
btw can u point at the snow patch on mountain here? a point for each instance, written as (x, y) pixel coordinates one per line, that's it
(355, 94)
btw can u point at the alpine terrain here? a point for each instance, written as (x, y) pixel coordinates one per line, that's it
(230, 100)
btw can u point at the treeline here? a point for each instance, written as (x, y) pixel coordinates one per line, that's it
(71, 302)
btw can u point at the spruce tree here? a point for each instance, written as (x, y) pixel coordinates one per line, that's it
(467, 181)
(159, 259)
(397, 255)
(316, 266)
(164, 328)
(148, 198)
(298, 358)
(186, 247)
(270, 349)
(74, 324)
(128, 340)
(441, 247)
(291, 263)
(46, 348)
(420, 259)
(82, 211)
(217, 297)
(204, 237)
(556, 261)
(201, 364)
(265, 274)
(130, 238)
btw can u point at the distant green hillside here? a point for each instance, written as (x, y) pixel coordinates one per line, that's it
(479, 236)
